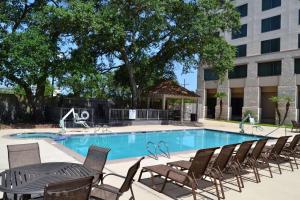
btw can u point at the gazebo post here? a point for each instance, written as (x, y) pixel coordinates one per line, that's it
(164, 102)
(181, 113)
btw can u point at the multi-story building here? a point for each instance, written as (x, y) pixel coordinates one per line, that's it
(267, 63)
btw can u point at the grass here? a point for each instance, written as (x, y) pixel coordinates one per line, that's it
(260, 124)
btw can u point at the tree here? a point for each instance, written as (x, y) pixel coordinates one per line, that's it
(143, 34)
(287, 99)
(220, 96)
(29, 35)
(275, 100)
(281, 99)
(37, 41)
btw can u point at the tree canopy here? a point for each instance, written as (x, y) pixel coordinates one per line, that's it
(76, 42)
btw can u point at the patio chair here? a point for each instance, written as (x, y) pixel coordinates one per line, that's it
(295, 125)
(95, 160)
(252, 159)
(291, 150)
(23, 154)
(217, 167)
(192, 179)
(109, 192)
(273, 154)
(76, 189)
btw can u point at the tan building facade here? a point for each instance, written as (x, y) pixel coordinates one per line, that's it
(267, 64)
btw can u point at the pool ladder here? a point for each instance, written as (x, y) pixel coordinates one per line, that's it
(158, 149)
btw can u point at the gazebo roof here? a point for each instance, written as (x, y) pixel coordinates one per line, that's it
(171, 88)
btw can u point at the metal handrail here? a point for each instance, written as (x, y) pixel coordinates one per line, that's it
(162, 152)
(151, 153)
(280, 126)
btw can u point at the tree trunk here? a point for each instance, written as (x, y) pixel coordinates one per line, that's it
(221, 108)
(287, 107)
(278, 113)
(133, 86)
(36, 103)
(132, 81)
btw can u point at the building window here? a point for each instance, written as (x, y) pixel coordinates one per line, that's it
(299, 17)
(271, 24)
(269, 69)
(298, 41)
(269, 46)
(239, 71)
(243, 10)
(269, 4)
(241, 51)
(210, 75)
(297, 66)
(240, 33)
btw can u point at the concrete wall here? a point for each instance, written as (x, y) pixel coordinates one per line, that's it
(287, 83)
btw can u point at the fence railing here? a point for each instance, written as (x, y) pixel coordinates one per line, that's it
(140, 114)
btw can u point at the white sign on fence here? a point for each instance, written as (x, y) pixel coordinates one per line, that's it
(132, 114)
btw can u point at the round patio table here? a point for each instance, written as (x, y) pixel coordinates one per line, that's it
(32, 179)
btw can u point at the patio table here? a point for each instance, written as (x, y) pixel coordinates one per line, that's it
(32, 179)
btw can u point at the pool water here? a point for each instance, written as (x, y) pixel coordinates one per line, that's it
(127, 145)
(134, 144)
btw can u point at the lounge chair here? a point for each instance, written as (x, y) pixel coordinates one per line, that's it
(295, 125)
(23, 154)
(291, 150)
(273, 154)
(240, 157)
(108, 192)
(217, 167)
(192, 179)
(252, 159)
(76, 189)
(95, 160)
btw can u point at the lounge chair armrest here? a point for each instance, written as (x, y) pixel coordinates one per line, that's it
(107, 189)
(191, 180)
(113, 174)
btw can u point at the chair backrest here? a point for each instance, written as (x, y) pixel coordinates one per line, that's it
(279, 145)
(224, 157)
(130, 175)
(200, 162)
(76, 189)
(243, 151)
(259, 147)
(23, 154)
(294, 142)
(96, 158)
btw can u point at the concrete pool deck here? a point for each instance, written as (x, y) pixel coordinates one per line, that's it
(280, 187)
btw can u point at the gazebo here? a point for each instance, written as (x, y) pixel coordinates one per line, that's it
(171, 90)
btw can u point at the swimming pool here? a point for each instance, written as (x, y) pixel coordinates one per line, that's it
(127, 145)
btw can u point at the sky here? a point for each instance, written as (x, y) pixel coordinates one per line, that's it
(190, 78)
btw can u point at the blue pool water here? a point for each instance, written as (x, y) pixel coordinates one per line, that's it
(128, 145)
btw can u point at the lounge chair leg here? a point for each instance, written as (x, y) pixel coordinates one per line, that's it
(296, 162)
(194, 193)
(164, 185)
(291, 164)
(279, 168)
(140, 176)
(132, 195)
(217, 189)
(270, 170)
